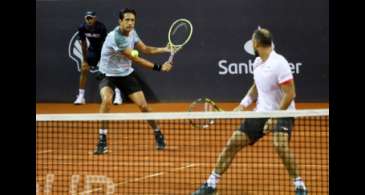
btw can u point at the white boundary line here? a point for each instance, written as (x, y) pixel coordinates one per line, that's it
(144, 177)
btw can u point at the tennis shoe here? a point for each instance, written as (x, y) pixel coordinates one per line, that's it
(160, 141)
(101, 148)
(204, 190)
(79, 100)
(301, 191)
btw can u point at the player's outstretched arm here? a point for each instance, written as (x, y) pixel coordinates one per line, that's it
(151, 50)
(166, 67)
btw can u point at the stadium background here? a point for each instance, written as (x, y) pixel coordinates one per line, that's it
(300, 30)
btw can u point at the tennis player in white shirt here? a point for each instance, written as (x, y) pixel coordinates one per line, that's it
(273, 89)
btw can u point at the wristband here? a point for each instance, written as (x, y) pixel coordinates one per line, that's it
(246, 101)
(157, 67)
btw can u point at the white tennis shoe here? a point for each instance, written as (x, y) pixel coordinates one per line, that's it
(80, 100)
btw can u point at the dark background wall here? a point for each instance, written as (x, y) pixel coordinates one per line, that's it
(221, 28)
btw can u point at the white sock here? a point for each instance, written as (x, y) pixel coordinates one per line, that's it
(102, 131)
(117, 91)
(81, 92)
(213, 180)
(157, 130)
(298, 182)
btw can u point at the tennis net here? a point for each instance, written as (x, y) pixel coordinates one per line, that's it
(65, 163)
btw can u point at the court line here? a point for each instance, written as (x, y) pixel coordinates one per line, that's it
(145, 177)
(111, 152)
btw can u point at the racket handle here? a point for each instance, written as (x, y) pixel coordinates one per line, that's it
(171, 58)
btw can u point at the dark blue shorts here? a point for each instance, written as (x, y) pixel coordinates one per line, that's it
(254, 127)
(93, 57)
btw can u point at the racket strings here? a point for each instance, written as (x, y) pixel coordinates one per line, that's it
(202, 106)
(180, 33)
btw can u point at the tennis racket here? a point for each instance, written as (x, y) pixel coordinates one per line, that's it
(203, 105)
(208, 105)
(179, 35)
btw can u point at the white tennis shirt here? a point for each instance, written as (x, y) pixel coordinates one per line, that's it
(268, 76)
(112, 62)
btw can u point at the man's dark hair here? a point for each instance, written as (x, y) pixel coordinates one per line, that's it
(263, 37)
(126, 10)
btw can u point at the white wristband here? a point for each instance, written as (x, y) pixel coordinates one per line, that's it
(246, 101)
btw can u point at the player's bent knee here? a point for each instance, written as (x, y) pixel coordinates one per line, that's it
(84, 70)
(107, 99)
(279, 145)
(237, 141)
(106, 95)
(280, 140)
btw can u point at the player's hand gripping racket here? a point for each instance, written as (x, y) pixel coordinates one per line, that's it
(203, 105)
(179, 35)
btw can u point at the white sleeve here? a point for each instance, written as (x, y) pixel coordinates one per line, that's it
(283, 71)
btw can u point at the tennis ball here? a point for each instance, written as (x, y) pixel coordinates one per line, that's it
(134, 53)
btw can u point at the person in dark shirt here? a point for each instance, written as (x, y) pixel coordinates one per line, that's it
(95, 31)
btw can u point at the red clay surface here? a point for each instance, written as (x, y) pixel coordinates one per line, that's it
(135, 167)
(44, 108)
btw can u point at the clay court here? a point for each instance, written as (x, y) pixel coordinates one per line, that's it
(135, 167)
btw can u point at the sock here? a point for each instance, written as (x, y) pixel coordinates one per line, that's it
(157, 130)
(82, 92)
(298, 182)
(117, 91)
(213, 180)
(102, 134)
